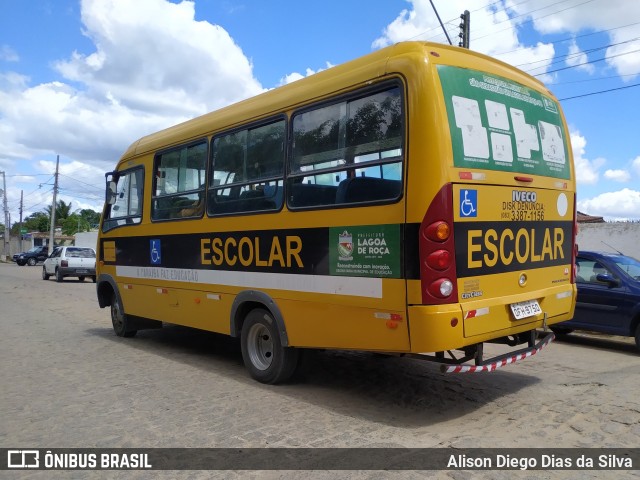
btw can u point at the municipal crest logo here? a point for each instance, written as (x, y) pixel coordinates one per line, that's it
(345, 246)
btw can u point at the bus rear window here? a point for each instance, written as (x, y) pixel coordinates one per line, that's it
(498, 124)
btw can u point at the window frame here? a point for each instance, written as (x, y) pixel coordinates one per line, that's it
(153, 197)
(211, 189)
(127, 219)
(385, 85)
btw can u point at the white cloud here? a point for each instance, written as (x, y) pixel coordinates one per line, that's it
(292, 77)
(153, 66)
(621, 176)
(492, 32)
(579, 59)
(624, 204)
(495, 29)
(593, 15)
(8, 54)
(120, 92)
(586, 170)
(173, 54)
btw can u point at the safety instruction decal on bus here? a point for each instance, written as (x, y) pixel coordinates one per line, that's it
(498, 124)
(365, 251)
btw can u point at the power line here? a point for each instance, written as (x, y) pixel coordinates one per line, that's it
(573, 37)
(595, 79)
(586, 63)
(601, 91)
(559, 58)
(533, 19)
(80, 181)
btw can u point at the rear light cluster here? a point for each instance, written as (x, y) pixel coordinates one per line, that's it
(64, 263)
(437, 251)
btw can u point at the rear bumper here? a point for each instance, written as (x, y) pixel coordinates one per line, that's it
(500, 361)
(77, 271)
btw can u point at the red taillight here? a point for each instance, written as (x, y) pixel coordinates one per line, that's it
(439, 260)
(437, 251)
(64, 263)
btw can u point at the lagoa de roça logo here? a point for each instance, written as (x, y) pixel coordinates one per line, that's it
(345, 246)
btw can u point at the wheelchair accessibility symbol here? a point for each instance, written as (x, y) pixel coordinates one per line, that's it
(468, 203)
(155, 251)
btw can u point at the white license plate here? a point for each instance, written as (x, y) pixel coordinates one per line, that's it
(526, 309)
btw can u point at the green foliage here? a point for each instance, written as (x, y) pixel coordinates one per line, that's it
(37, 222)
(63, 211)
(75, 223)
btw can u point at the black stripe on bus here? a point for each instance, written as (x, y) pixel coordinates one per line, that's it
(484, 248)
(296, 251)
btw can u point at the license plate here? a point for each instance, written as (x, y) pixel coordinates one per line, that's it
(81, 271)
(526, 309)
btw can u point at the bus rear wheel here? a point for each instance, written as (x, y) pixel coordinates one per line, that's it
(263, 354)
(119, 319)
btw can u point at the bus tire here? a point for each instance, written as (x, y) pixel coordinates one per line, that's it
(263, 354)
(119, 319)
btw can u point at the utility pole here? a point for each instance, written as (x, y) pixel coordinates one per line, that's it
(20, 224)
(464, 29)
(7, 229)
(53, 207)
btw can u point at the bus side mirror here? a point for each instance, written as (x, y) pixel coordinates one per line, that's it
(111, 193)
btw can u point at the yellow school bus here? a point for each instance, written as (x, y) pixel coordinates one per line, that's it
(419, 200)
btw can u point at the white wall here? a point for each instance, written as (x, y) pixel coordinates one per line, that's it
(621, 236)
(87, 239)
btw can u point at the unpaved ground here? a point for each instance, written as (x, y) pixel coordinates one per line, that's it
(67, 381)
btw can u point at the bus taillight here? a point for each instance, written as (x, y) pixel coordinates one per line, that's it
(438, 231)
(439, 260)
(441, 288)
(437, 251)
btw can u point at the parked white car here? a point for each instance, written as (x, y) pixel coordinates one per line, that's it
(70, 262)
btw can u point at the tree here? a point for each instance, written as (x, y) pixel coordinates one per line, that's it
(37, 222)
(92, 217)
(62, 211)
(75, 223)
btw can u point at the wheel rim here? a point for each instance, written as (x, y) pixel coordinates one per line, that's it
(116, 317)
(31, 262)
(260, 347)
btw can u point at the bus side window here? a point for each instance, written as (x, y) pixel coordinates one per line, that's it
(180, 182)
(248, 168)
(348, 152)
(367, 189)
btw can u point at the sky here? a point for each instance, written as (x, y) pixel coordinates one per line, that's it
(83, 79)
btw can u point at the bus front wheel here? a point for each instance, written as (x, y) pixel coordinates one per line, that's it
(263, 354)
(119, 319)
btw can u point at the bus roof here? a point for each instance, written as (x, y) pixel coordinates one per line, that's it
(377, 64)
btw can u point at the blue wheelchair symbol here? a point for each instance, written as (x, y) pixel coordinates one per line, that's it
(155, 251)
(468, 203)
